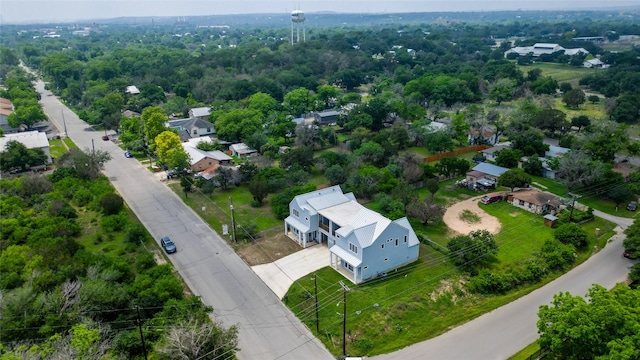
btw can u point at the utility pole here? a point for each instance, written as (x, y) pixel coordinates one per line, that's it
(345, 288)
(144, 348)
(315, 287)
(65, 124)
(233, 220)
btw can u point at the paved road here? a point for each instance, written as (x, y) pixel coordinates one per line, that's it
(507, 330)
(267, 329)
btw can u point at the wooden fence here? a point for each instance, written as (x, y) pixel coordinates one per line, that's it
(464, 150)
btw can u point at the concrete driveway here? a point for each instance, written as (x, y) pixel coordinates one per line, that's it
(280, 274)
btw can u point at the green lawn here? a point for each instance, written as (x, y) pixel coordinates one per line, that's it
(560, 72)
(217, 209)
(56, 148)
(428, 297)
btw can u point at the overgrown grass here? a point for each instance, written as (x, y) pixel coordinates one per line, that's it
(469, 217)
(526, 352)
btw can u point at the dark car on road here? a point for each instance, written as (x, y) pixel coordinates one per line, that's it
(168, 245)
(105, 137)
(127, 154)
(632, 206)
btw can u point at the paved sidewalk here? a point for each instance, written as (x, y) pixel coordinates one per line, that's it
(280, 274)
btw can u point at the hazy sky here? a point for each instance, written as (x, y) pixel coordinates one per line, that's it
(21, 11)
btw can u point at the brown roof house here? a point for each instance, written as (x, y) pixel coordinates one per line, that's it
(485, 135)
(535, 201)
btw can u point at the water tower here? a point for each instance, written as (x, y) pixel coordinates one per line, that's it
(297, 18)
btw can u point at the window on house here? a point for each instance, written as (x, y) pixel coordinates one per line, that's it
(396, 242)
(382, 246)
(366, 267)
(208, 129)
(405, 239)
(195, 132)
(521, 202)
(296, 213)
(353, 248)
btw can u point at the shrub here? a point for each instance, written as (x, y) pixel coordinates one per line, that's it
(114, 223)
(135, 233)
(571, 234)
(111, 204)
(557, 255)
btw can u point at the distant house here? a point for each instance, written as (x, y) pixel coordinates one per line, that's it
(31, 140)
(202, 160)
(539, 49)
(490, 153)
(132, 90)
(129, 114)
(553, 152)
(485, 175)
(241, 150)
(485, 135)
(556, 151)
(362, 243)
(594, 63)
(191, 127)
(326, 117)
(200, 113)
(535, 201)
(435, 126)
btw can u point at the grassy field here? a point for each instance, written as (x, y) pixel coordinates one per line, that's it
(428, 297)
(560, 72)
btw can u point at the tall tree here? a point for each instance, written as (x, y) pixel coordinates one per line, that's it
(604, 326)
(166, 142)
(153, 120)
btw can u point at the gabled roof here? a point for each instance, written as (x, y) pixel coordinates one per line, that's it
(197, 154)
(494, 149)
(242, 148)
(189, 123)
(132, 89)
(556, 151)
(536, 197)
(200, 111)
(490, 169)
(322, 199)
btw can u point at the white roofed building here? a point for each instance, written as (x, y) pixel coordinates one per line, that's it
(31, 140)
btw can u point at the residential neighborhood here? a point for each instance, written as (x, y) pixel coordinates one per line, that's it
(382, 187)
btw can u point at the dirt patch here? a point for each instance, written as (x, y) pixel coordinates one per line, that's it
(157, 256)
(267, 249)
(457, 225)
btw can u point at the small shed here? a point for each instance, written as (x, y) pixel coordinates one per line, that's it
(550, 220)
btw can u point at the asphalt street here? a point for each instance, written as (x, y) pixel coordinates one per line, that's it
(211, 269)
(267, 329)
(508, 329)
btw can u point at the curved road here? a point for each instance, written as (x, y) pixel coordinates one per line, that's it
(211, 269)
(508, 329)
(267, 329)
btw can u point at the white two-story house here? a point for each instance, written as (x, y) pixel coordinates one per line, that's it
(362, 243)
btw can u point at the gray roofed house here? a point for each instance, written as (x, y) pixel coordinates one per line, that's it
(242, 150)
(200, 112)
(362, 243)
(31, 140)
(484, 174)
(326, 117)
(191, 127)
